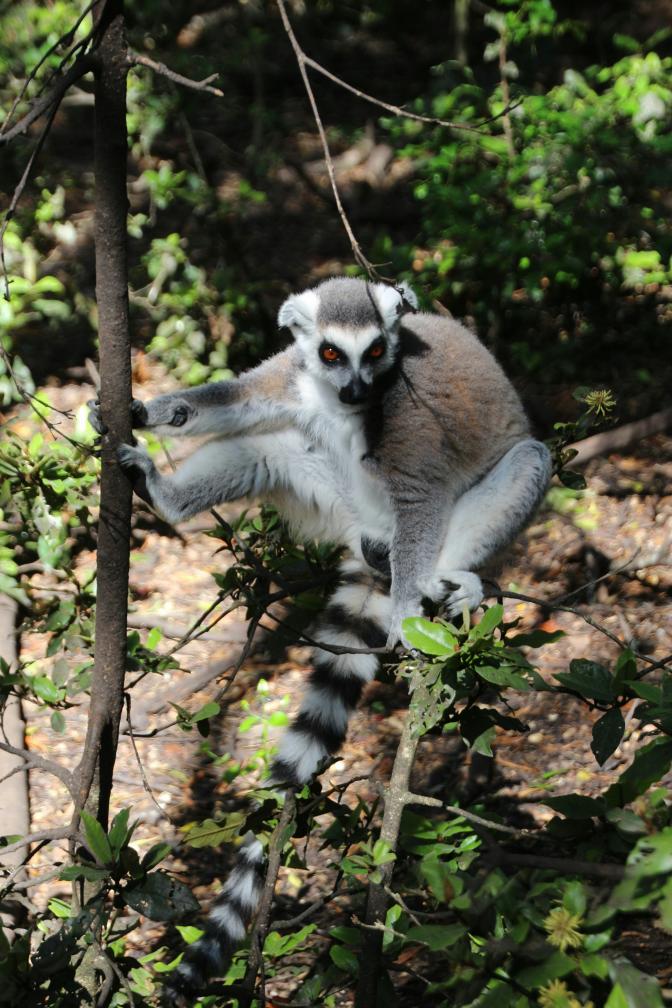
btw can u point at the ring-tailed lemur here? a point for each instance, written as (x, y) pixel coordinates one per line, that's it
(389, 431)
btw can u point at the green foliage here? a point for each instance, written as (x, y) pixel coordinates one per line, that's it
(551, 244)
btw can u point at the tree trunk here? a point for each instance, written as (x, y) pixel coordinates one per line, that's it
(107, 685)
(14, 795)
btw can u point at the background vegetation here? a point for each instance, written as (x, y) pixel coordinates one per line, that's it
(548, 230)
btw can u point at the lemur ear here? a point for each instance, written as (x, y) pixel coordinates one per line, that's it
(394, 301)
(300, 311)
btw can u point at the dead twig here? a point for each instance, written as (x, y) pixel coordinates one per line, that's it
(138, 59)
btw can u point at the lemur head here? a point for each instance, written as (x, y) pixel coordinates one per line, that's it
(348, 332)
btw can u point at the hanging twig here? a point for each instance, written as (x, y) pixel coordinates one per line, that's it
(301, 59)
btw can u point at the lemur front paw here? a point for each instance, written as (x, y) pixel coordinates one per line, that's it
(138, 415)
(95, 419)
(456, 589)
(399, 614)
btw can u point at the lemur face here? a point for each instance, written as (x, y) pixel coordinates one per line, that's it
(351, 360)
(347, 330)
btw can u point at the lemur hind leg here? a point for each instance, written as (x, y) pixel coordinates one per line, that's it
(485, 520)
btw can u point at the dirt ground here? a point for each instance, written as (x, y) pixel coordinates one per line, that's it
(617, 540)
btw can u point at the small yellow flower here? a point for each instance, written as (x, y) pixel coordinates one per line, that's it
(600, 401)
(562, 928)
(556, 994)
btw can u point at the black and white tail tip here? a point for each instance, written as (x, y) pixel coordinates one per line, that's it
(225, 928)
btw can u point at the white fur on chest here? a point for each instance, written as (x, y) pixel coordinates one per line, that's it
(349, 501)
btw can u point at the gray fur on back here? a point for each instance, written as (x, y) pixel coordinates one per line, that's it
(346, 302)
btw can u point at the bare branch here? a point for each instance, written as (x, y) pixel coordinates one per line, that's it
(58, 833)
(32, 760)
(19, 191)
(261, 924)
(138, 59)
(301, 59)
(63, 40)
(552, 606)
(82, 65)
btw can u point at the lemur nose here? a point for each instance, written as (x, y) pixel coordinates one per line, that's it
(356, 391)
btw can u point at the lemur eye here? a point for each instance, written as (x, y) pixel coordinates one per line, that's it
(377, 350)
(330, 354)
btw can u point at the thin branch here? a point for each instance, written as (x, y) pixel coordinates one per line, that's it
(261, 924)
(19, 191)
(58, 833)
(63, 40)
(552, 606)
(40, 763)
(566, 866)
(82, 65)
(301, 59)
(395, 110)
(487, 824)
(138, 59)
(145, 783)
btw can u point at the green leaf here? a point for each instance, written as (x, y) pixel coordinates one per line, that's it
(649, 765)
(535, 638)
(574, 898)
(652, 855)
(591, 680)
(97, 838)
(576, 806)
(189, 933)
(277, 944)
(343, 957)
(607, 734)
(46, 690)
(639, 989)
(488, 622)
(57, 722)
(430, 638)
(208, 710)
(160, 897)
(556, 966)
(504, 676)
(617, 998)
(59, 908)
(212, 833)
(437, 936)
(154, 855)
(72, 872)
(119, 830)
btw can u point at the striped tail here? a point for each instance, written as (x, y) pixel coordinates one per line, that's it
(225, 928)
(357, 616)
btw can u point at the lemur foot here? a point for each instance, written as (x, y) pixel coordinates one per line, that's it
(456, 589)
(139, 467)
